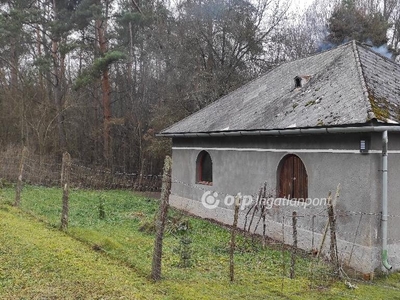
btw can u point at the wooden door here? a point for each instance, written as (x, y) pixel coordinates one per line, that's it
(293, 181)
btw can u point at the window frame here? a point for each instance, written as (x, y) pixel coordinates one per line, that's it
(200, 168)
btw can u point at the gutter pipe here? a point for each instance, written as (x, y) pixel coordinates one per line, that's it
(385, 141)
(299, 131)
(281, 132)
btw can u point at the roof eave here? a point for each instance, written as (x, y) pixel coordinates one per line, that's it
(289, 131)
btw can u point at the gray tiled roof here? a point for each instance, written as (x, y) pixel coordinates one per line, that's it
(350, 84)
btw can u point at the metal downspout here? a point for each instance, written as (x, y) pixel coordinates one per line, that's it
(385, 140)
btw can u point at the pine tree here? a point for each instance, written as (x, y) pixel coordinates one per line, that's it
(349, 22)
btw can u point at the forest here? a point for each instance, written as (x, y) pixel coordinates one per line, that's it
(100, 78)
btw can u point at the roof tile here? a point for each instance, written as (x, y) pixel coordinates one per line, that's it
(350, 84)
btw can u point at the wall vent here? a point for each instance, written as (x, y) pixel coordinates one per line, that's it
(301, 80)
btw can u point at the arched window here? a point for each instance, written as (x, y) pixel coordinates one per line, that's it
(204, 168)
(292, 178)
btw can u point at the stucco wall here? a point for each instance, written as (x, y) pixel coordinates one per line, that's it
(243, 164)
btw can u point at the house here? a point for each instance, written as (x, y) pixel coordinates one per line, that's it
(303, 127)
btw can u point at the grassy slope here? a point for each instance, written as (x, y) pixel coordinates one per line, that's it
(38, 261)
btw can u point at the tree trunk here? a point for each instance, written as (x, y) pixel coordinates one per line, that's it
(39, 54)
(14, 61)
(106, 89)
(57, 73)
(14, 65)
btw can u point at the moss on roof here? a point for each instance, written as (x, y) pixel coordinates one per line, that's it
(348, 85)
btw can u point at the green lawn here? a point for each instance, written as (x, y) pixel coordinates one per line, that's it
(110, 258)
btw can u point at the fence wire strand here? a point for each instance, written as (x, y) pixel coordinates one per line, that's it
(185, 248)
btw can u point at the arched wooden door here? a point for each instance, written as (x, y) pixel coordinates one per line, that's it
(293, 179)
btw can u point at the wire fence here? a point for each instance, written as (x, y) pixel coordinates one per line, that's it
(45, 171)
(348, 241)
(276, 245)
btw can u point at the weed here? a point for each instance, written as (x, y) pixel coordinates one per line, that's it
(311, 102)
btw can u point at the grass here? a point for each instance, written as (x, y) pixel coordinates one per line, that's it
(110, 257)
(38, 262)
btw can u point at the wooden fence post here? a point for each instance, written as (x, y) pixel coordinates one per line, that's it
(311, 271)
(326, 228)
(293, 256)
(18, 187)
(65, 176)
(141, 175)
(283, 252)
(332, 225)
(161, 219)
(233, 239)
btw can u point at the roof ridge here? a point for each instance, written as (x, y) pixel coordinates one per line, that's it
(369, 48)
(370, 112)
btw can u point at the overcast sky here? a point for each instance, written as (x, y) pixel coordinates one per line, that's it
(300, 4)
